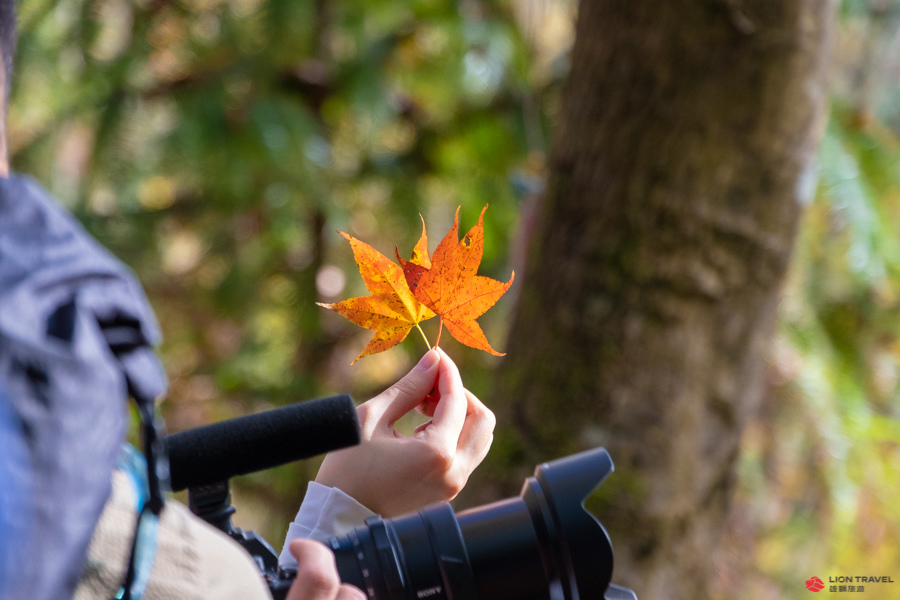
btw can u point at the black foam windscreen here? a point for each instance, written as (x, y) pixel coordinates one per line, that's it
(217, 452)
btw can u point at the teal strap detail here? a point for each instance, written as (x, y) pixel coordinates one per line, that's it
(134, 465)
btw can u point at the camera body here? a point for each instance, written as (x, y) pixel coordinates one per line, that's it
(540, 545)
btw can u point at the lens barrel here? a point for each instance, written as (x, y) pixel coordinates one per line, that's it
(419, 555)
(541, 545)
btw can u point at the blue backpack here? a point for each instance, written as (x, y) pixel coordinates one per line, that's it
(76, 339)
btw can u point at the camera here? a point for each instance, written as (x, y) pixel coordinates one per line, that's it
(540, 545)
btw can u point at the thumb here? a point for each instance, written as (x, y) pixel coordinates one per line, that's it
(409, 392)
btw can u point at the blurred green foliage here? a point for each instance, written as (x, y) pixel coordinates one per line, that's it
(820, 468)
(217, 146)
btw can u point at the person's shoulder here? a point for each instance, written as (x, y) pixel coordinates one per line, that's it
(193, 559)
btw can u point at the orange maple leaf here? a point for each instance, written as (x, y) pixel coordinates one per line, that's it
(392, 310)
(451, 288)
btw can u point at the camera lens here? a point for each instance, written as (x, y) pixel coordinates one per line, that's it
(541, 545)
(415, 556)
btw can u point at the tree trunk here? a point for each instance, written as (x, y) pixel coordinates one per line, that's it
(684, 152)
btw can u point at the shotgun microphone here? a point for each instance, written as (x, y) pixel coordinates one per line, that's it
(217, 452)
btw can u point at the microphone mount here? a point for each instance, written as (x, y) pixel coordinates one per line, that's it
(212, 503)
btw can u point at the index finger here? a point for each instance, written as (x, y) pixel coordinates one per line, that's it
(450, 412)
(317, 577)
(478, 430)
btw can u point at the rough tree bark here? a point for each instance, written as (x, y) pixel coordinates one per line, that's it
(683, 153)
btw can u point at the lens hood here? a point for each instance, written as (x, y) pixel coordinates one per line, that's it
(581, 546)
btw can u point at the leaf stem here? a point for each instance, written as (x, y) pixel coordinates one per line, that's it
(440, 328)
(427, 343)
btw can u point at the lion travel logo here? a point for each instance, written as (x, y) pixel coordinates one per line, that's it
(848, 583)
(814, 584)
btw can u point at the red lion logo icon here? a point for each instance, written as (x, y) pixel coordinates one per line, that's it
(814, 584)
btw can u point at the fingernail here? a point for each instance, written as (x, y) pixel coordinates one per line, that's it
(429, 360)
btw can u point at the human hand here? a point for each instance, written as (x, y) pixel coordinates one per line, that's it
(317, 576)
(391, 473)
